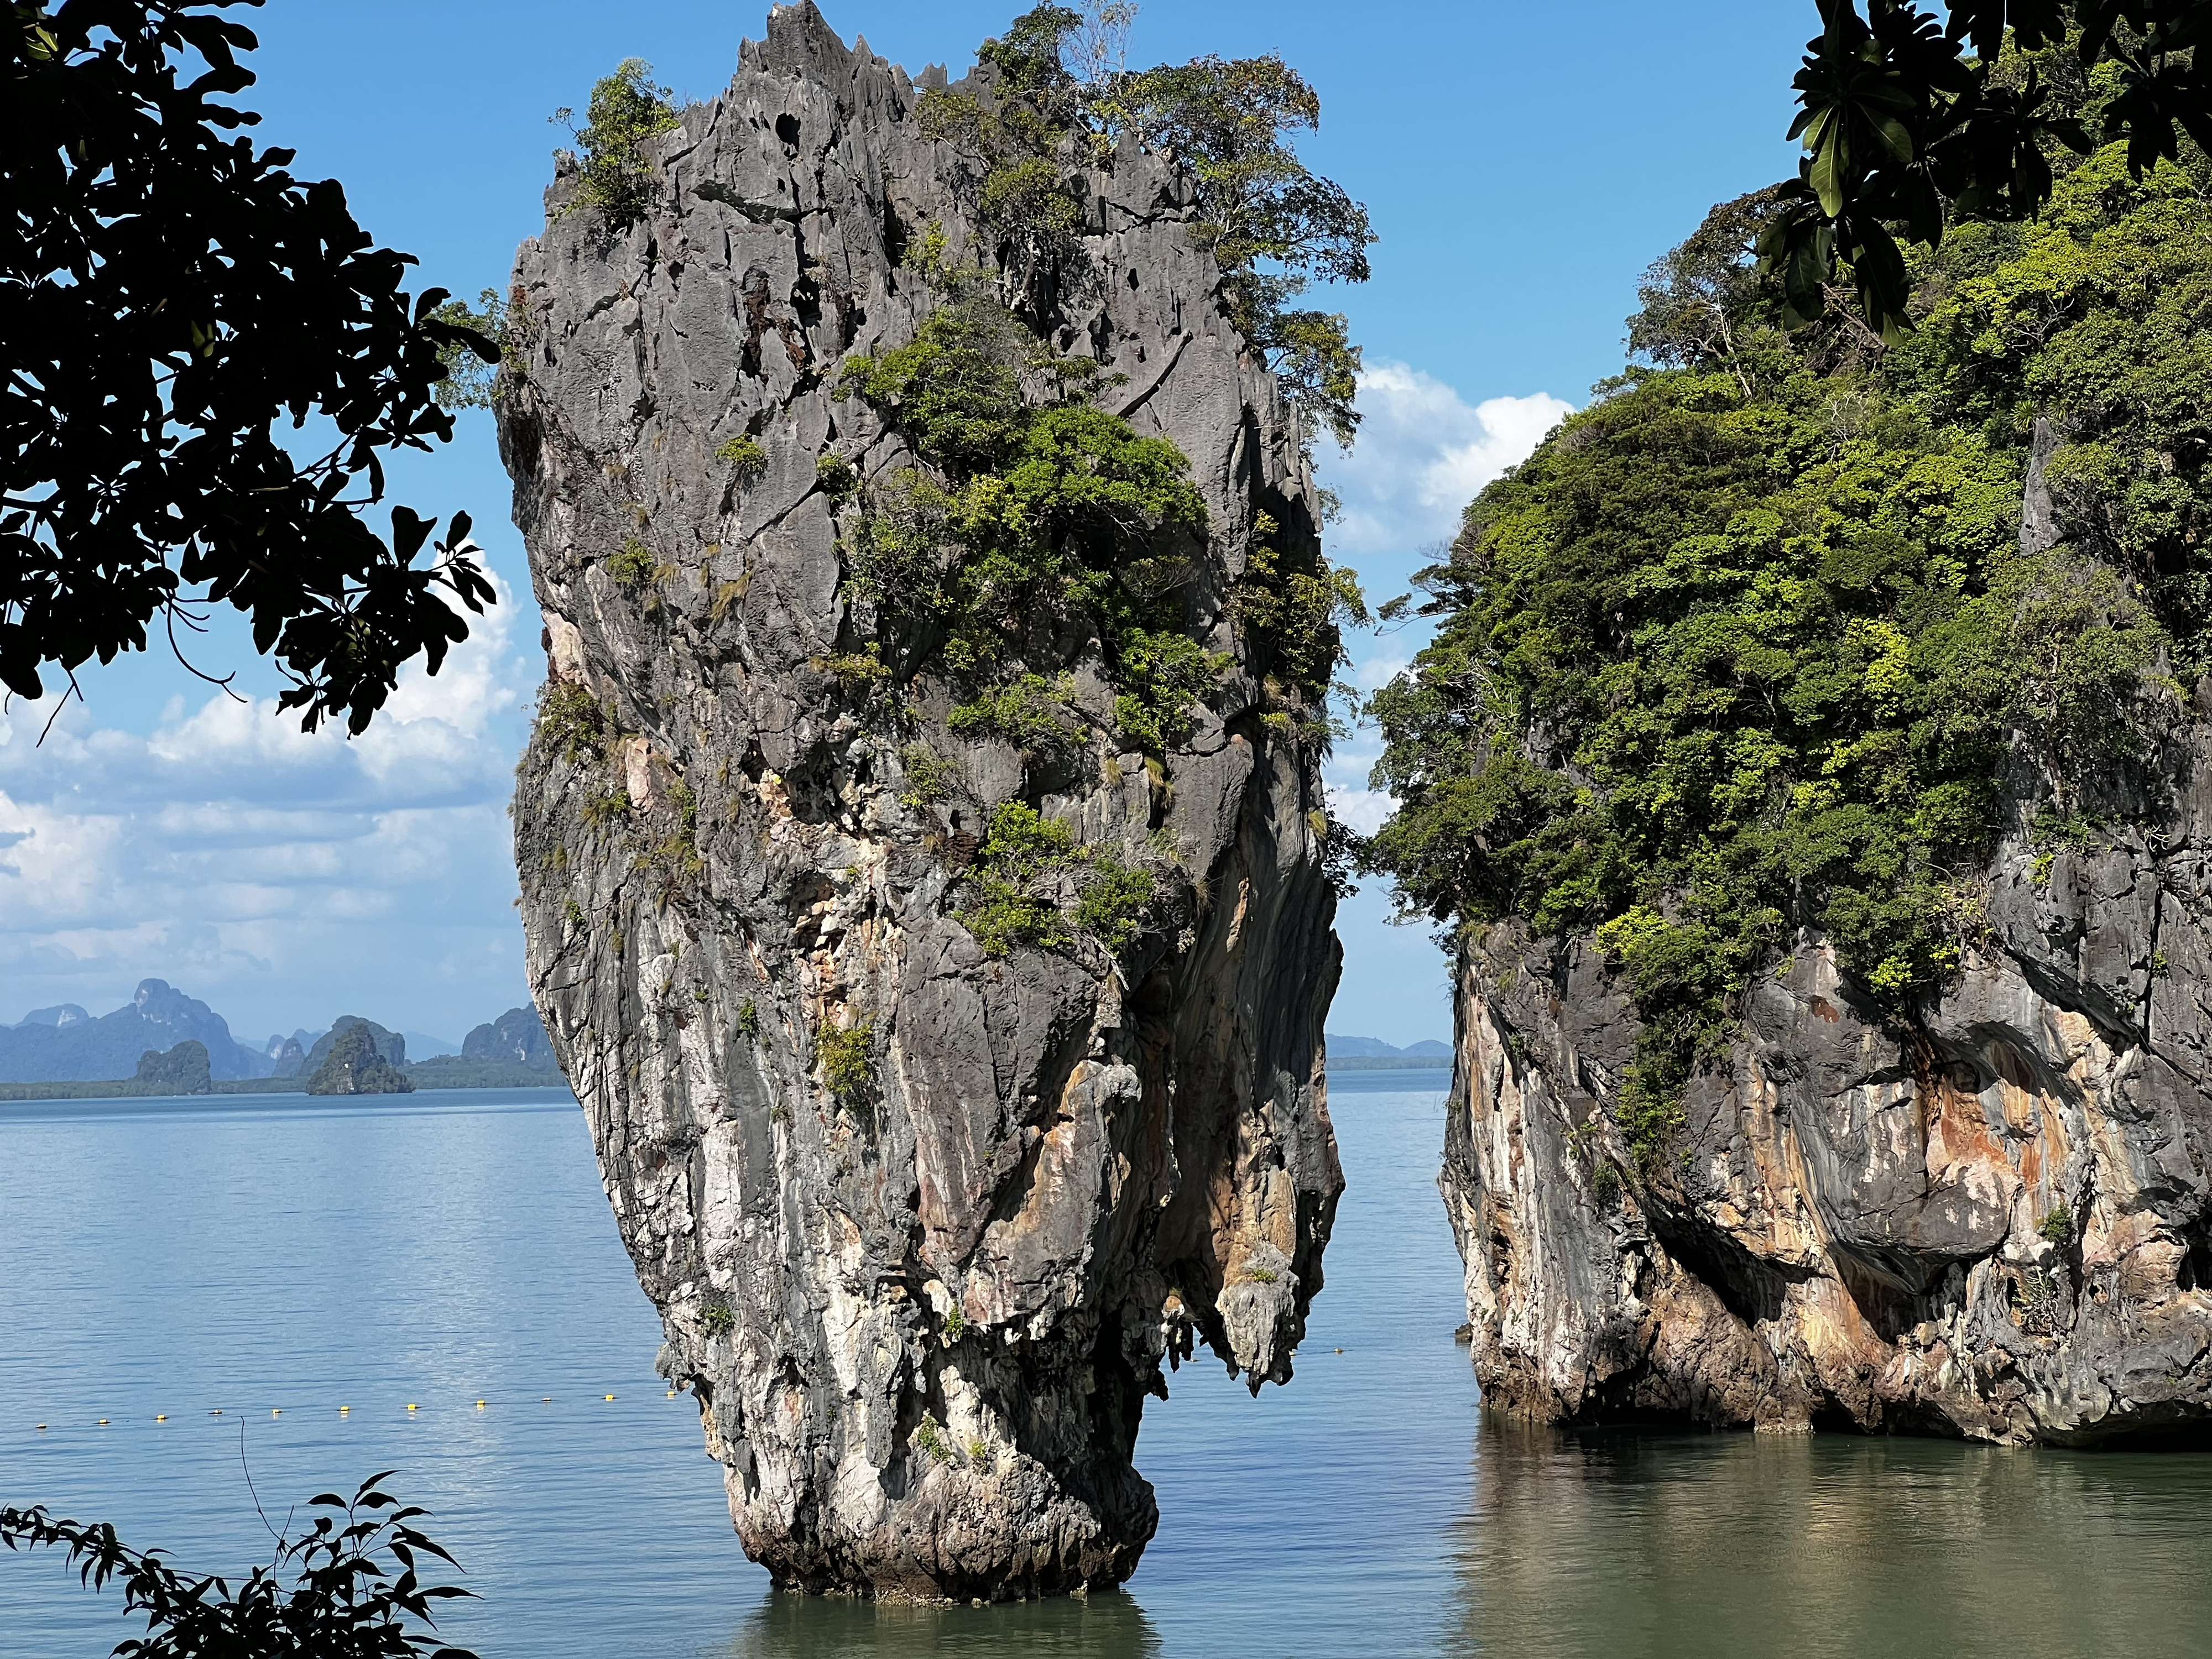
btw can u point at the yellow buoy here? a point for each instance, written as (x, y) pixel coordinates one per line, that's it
(103, 1422)
(343, 1410)
(672, 1394)
(479, 1404)
(609, 1396)
(410, 1407)
(276, 1411)
(218, 1412)
(160, 1417)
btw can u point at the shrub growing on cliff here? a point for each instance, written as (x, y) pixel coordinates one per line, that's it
(632, 564)
(569, 719)
(747, 459)
(1031, 712)
(1741, 649)
(1014, 886)
(1039, 516)
(1113, 902)
(1294, 605)
(848, 1067)
(1022, 850)
(626, 111)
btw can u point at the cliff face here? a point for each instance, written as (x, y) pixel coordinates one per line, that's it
(1997, 1225)
(922, 1223)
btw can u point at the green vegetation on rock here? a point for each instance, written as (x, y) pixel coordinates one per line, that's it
(354, 1067)
(1274, 225)
(847, 1062)
(1035, 516)
(184, 1070)
(747, 459)
(1743, 648)
(1021, 869)
(633, 564)
(627, 110)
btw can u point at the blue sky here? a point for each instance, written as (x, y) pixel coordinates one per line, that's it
(1523, 162)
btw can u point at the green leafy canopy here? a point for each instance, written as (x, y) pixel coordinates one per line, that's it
(168, 293)
(1913, 121)
(1744, 648)
(1273, 225)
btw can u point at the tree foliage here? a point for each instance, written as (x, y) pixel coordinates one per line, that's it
(1744, 648)
(1020, 871)
(1911, 120)
(1274, 225)
(168, 294)
(355, 1590)
(471, 381)
(1034, 517)
(626, 110)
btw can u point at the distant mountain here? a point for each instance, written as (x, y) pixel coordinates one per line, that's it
(1362, 1047)
(62, 1013)
(390, 1047)
(356, 1063)
(65, 1044)
(517, 1036)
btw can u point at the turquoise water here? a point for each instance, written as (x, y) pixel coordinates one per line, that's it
(278, 1254)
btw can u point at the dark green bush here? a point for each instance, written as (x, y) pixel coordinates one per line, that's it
(1744, 647)
(350, 1587)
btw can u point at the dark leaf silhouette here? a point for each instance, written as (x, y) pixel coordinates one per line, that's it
(168, 294)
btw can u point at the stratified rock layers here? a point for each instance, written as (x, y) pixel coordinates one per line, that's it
(1997, 1225)
(920, 1317)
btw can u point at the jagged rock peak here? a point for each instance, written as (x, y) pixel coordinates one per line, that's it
(923, 1221)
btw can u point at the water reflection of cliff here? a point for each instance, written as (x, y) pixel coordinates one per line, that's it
(1109, 1626)
(1624, 1545)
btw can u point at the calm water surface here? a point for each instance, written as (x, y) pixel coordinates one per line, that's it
(275, 1258)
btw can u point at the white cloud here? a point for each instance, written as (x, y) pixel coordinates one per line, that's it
(1424, 453)
(282, 877)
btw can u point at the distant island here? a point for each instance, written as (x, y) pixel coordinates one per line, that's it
(183, 1048)
(1359, 1053)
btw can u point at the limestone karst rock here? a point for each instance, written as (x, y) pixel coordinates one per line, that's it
(922, 1224)
(1999, 1227)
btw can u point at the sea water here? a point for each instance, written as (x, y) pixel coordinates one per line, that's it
(273, 1259)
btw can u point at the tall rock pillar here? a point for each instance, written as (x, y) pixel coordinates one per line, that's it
(922, 1223)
